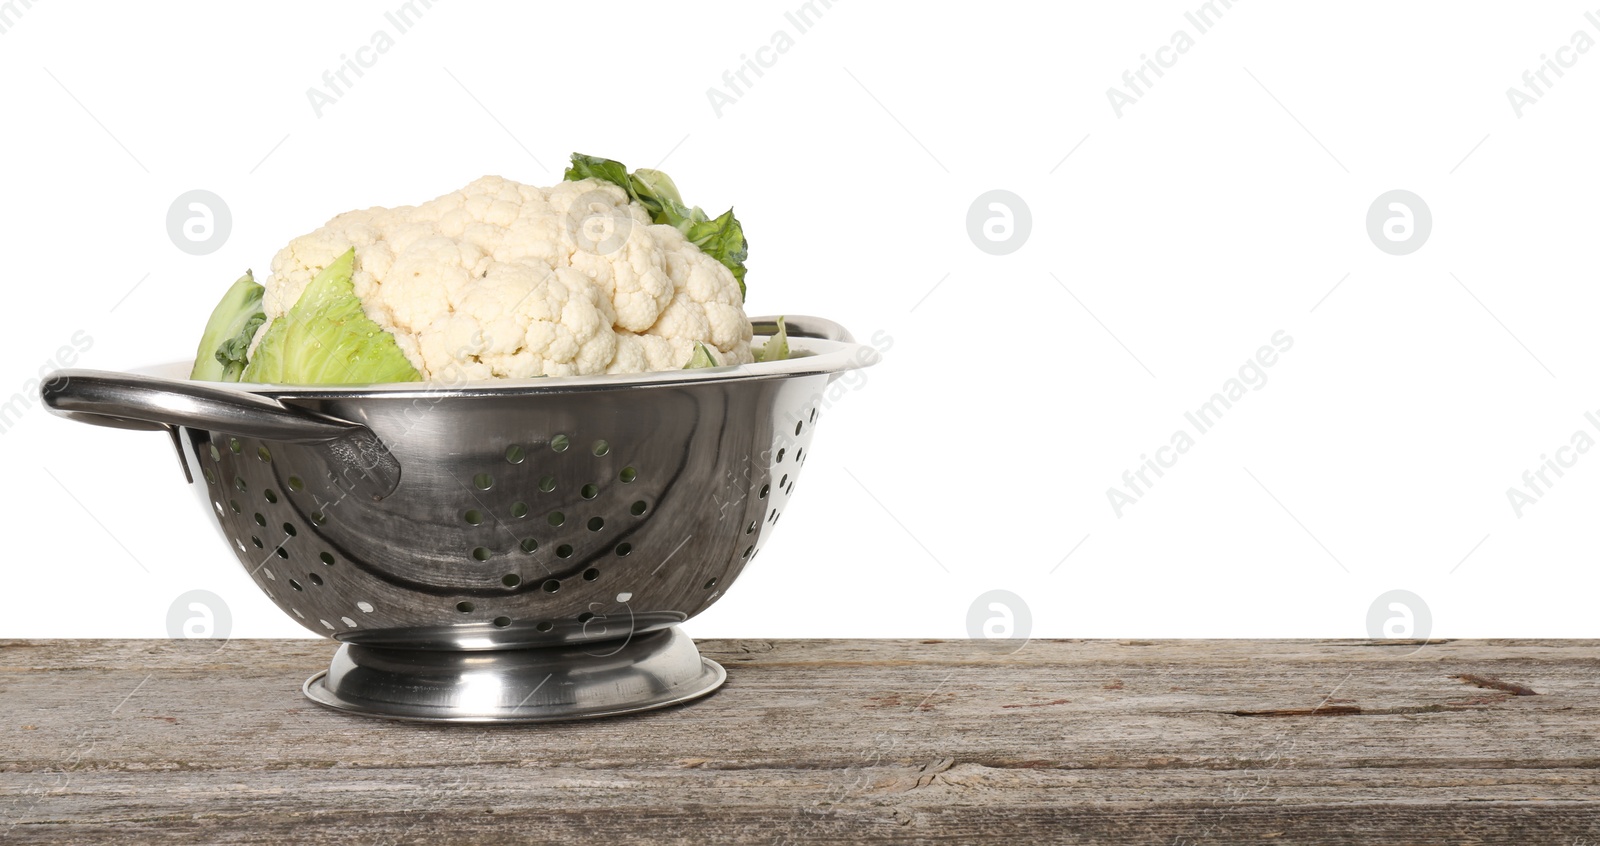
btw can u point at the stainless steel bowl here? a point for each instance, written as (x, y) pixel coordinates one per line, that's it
(509, 551)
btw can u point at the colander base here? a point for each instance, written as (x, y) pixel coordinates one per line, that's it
(547, 684)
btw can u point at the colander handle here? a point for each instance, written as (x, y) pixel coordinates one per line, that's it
(804, 326)
(125, 401)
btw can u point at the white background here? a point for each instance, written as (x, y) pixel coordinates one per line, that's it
(1221, 207)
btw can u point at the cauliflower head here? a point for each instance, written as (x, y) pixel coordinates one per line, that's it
(506, 280)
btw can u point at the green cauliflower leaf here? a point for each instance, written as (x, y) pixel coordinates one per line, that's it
(326, 339)
(777, 347)
(221, 354)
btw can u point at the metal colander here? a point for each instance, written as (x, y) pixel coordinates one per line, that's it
(495, 551)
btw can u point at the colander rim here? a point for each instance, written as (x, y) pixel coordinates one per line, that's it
(809, 356)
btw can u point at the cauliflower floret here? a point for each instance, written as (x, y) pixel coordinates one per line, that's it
(644, 353)
(501, 279)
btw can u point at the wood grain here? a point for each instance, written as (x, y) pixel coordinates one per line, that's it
(1136, 742)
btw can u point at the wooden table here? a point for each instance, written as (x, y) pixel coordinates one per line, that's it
(832, 741)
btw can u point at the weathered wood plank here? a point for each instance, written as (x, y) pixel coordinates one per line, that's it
(1170, 742)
